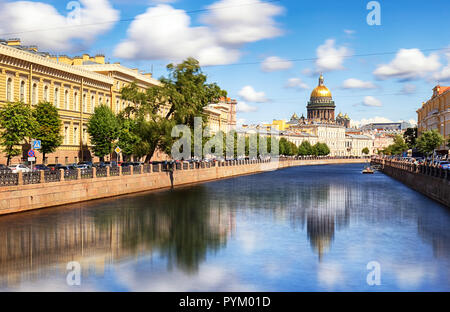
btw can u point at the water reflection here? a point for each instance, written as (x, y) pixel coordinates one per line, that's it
(320, 224)
(181, 228)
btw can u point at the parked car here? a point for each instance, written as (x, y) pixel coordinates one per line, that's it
(99, 165)
(110, 163)
(39, 167)
(4, 168)
(19, 168)
(83, 166)
(85, 163)
(444, 164)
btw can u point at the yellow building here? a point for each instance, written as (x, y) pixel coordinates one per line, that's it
(74, 85)
(435, 113)
(221, 115)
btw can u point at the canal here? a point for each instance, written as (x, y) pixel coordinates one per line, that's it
(312, 228)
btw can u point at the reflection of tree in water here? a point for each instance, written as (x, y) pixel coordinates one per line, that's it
(182, 225)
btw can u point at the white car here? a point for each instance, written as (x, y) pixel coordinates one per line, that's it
(19, 168)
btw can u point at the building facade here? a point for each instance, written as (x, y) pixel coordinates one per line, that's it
(435, 113)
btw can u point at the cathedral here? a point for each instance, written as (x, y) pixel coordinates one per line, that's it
(321, 109)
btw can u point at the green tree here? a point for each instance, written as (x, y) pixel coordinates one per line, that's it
(103, 128)
(365, 151)
(410, 137)
(321, 149)
(48, 129)
(429, 141)
(18, 125)
(185, 92)
(398, 147)
(129, 140)
(305, 149)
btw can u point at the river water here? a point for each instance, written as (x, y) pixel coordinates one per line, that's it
(312, 228)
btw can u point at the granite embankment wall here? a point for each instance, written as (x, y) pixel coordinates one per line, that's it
(20, 198)
(430, 181)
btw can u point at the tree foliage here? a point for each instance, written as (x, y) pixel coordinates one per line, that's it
(103, 128)
(305, 149)
(397, 148)
(48, 129)
(365, 151)
(410, 137)
(18, 125)
(429, 141)
(321, 149)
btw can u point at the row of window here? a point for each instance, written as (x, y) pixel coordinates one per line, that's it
(76, 134)
(56, 99)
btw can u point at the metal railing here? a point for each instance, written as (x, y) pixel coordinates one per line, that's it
(126, 170)
(8, 178)
(31, 177)
(101, 172)
(114, 171)
(70, 174)
(52, 176)
(87, 173)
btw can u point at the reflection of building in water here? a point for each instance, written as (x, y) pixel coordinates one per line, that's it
(433, 229)
(41, 243)
(325, 209)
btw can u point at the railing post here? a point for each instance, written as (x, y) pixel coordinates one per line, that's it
(61, 175)
(131, 170)
(108, 171)
(120, 171)
(94, 172)
(20, 178)
(42, 176)
(78, 174)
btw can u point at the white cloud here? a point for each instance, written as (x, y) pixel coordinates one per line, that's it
(235, 22)
(371, 101)
(38, 23)
(243, 107)
(296, 83)
(408, 88)
(408, 64)
(330, 57)
(250, 95)
(366, 121)
(349, 31)
(165, 33)
(444, 74)
(274, 63)
(240, 122)
(353, 83)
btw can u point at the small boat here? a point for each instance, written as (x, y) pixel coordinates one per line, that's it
(368, 170)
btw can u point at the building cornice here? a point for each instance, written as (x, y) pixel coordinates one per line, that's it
(121, 69)
(46, 62)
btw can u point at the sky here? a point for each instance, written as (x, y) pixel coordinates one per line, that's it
(380, 59)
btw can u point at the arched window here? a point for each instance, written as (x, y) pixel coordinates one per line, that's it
(66, 99)
(34, 95)
(56, 98)
(22, 91)
(9, 90)
(46, 93)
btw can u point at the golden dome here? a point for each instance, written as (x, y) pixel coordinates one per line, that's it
(320, 90)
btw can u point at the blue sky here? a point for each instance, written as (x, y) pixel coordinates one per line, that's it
(247, 46)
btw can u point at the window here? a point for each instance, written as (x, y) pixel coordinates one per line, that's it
(56, 99)
(66, 134)
(34, 95)
(84, 103)
(75, 101)
(117, 106)
(100, 101)
(9, 90)
(66, 99)
(46, 94)
(75, 135)
(84, 135)
(92, 103)
(22, 91)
